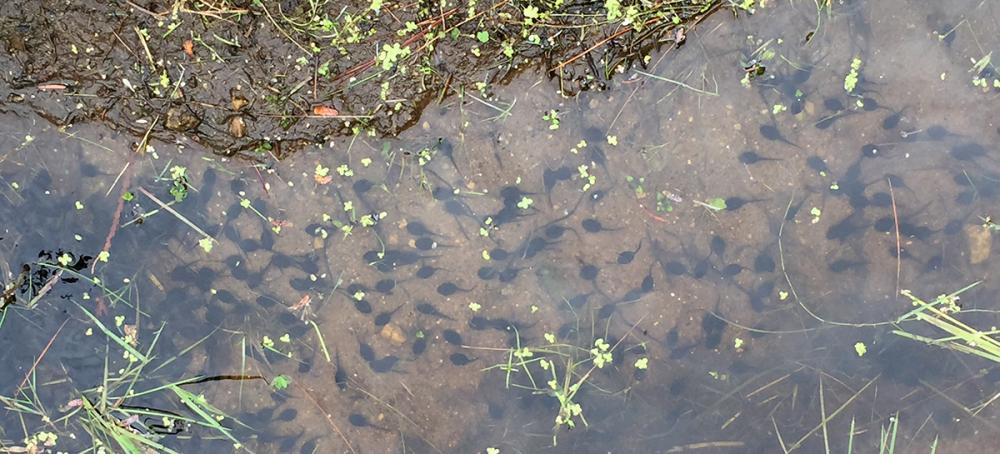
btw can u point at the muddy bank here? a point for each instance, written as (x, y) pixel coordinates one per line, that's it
(256, 78)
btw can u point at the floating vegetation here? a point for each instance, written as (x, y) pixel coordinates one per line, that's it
(131, 408)
(562, 369)
(943, 313)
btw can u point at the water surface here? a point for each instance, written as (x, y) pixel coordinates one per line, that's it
(404, 270)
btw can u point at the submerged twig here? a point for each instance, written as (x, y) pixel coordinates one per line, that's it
(126, 181)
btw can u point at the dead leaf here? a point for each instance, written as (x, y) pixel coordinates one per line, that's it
(393, 334)
(980, 241)
(324, 111)
(46, 87)
(326, 179)
(237, 127)
(188, 47)
(238, 101)
(302, 304)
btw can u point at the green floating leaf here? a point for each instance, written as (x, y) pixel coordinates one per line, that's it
(206, 244)
(717, 204)
(851, 80)
(281, 382)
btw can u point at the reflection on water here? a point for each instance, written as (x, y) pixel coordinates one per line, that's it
(731, 243)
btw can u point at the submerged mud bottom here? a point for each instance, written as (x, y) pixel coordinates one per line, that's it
(689, 261)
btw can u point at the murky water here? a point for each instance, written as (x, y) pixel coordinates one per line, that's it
(739, 240)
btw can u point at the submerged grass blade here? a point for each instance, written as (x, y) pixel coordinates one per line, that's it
(962, 337)
(104, 428)
(822, 411)
(176, 214)
(887, 443)
(836, 412)
(678, 83)
(322, 343)
(184, 351)
(114, 337)
(210, 416)
(850, 438)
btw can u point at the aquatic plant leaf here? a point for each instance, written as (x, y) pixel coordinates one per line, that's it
(717, 204)
(280, 382)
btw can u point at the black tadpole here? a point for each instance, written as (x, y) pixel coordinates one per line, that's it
(771, 132)
(626, 257)
(751, 157)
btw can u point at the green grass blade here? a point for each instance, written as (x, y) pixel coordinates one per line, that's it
(207, 413)
(114, 337)
(850, 438)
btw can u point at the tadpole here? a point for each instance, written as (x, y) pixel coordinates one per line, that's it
(816, 163)
(428, 309)
(751, 157)
(452, 337)
(419, 345)
(384, 364)
(717, 245)
(460, 359)
(426, 271)
(626, 257)
(588, 272)
(385, 286)
(771, 132)
(383, 318)
(340, 375)
(736, 202)
(892, 120)
(366, 351)
(449, 288)
(593, 225)
(764, 263)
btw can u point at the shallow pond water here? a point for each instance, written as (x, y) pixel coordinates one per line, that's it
(736, 246)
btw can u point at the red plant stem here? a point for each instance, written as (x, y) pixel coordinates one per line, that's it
(115, 220)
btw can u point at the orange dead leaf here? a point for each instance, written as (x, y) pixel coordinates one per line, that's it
(47, 87)
(188, 47)
(326, 179)
(324, 111)
(302, 304)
